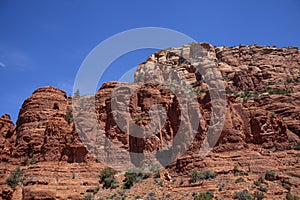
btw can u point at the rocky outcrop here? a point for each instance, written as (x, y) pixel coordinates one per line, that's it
(7, 138)
(45, 128)
(260, 87)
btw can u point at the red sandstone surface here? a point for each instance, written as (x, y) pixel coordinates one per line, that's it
(260, 133)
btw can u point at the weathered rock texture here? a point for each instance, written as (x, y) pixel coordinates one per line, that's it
(262, 123)
(7, 137)
(45, 129)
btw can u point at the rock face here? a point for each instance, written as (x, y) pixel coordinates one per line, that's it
(7, 137)
(45, 129)
(261, 91)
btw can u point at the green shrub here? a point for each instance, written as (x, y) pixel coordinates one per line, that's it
(194, 176)
(33, 160)
(286, 186)
(107, 172)
(272, 114)
(204, 196)
(25, 161)
(77, 93)
(88, 196)
(151, 196)
(239, 180)
(297, 146)
(14, 178)
(129, 181)
(261, 180)
(262, 188)
(270, 175)
(204, 175)
(257, 183)
(139, 118)
(228, 90)
(235, 170)
(69, 116)
(277, 91)
(243, 195)
(258, 195)
(110, 182)
(133, 176)
(81, 104)
(122, 195)
(96, 190)
(289, 196)
(200, 91)
(207, 175)
(107, 178)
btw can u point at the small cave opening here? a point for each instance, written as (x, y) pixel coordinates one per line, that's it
(75, 154)
(55, 106)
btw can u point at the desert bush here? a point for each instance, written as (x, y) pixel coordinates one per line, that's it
(228, 90)
(277, 91)
(151, 196)
(207, 175)
(69, 115)
(194, 176)
(77, 93)
(289, 196)
(107, 172)
(235, 170)
(204, 196)
(200, 91)
(270, 175)
(243, 195)
(133, 176)
(139, 118)
(25, 161)
(88, 196)
(297, 146)
(239, 180)
(33, 160)
(96, 190)
(261, 180)
(286, 186)
(263, 189)
(14, 178)
(107, 179)
(110, 182)
(258, 195)
(204, 175)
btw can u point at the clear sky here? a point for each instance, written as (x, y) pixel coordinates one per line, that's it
(44, 42)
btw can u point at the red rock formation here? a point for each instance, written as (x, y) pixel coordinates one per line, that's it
(262, 120)
(7, 138)
(45, 128)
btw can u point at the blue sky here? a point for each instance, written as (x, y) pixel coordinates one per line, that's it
(44, 42)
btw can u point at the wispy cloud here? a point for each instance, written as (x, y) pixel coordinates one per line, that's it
(2, 64)
(15, 58)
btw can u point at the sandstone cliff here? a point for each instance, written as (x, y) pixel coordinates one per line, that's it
(261, 127)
